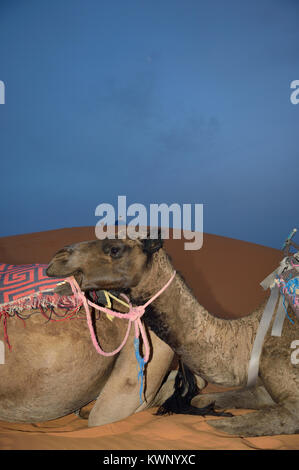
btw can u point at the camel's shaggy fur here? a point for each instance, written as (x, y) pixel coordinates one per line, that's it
(217, 349)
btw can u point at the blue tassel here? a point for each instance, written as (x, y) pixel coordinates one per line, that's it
(291, 286)
(141, 364)
(284, 305)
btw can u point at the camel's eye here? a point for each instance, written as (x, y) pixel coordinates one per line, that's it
(114, 251)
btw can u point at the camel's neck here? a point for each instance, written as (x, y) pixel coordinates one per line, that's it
(185, 325)
(175, 315)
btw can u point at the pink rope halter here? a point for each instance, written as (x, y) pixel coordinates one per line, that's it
(134, 316)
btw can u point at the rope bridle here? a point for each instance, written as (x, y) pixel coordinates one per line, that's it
(134, 316)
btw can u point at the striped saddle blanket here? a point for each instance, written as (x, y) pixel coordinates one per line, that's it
(23, 281)
(27, 286)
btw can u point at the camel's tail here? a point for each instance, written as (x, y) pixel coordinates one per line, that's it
(185, 388)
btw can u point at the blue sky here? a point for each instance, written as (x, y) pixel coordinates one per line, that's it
(184, 101)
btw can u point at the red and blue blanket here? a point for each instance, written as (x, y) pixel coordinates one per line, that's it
(24, 280)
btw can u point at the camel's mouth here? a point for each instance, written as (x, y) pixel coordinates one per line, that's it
(87, 284)
(78, 275)
(64, 288)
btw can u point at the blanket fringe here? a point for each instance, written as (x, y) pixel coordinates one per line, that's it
(40, 302)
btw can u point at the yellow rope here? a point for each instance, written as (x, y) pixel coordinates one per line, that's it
(108, 301)
(109, 296)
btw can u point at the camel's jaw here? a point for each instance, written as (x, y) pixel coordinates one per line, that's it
(64, 288)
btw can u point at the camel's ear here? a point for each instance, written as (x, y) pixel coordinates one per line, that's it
(150, 245)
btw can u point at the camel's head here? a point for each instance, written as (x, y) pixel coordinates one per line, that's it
(105, 264)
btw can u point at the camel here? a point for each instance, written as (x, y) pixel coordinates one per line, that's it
(53, 370)
(216, 349)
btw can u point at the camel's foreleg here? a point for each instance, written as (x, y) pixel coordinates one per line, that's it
(277, 419)
(255, 399)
